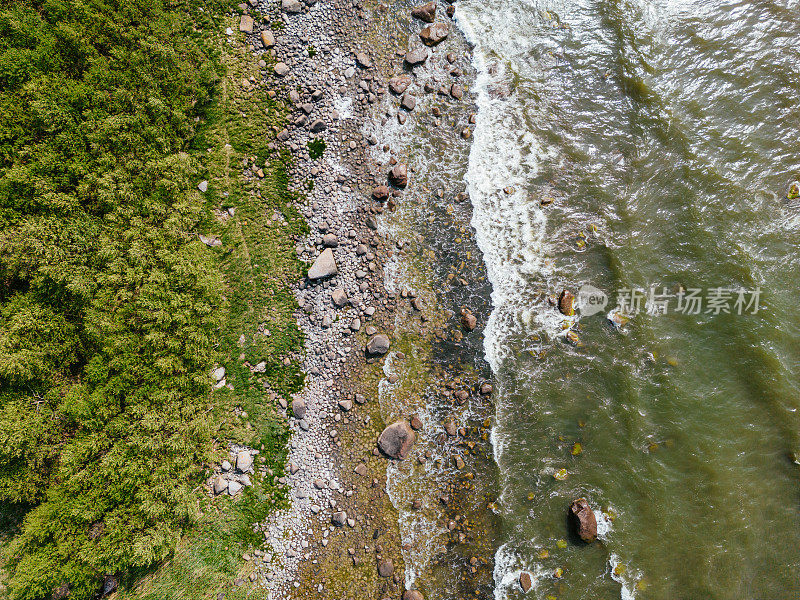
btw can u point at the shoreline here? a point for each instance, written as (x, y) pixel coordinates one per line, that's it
(340, 94)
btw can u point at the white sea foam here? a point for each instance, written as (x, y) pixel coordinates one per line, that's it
(604, 524)
(508, 565)
(509, 227)
(509, 224)
(623, 575)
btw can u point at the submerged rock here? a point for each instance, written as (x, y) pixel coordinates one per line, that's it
(566, 303)
(413, 595)
(582, 520)
(396, 440)
(525, 581)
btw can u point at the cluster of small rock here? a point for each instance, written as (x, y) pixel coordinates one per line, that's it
(233, 477)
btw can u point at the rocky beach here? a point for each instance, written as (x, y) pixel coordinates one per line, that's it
(393, 419)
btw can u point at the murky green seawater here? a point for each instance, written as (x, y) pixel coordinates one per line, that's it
(671, 128)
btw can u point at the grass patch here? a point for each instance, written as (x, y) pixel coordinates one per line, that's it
(258, 262)
(316, 148)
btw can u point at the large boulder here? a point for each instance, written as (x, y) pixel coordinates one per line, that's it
(246, 24)
(61, 592)
(399, 175)
(408, 102)
(434, 34)
(381, 193)
(324, 266)
(110, 585)
(378, 344)
(220, 485)
(566, 303)
(525, 581)
(339, 297)
(244, 461)
(292, 6)
(386, 568)
(211, 241)
(417, 56)
(363, 60)
(396, 440)
(267, 38)
(399, 84)
(426, 12)
(468, 320)
(582, 520)
(299, 408)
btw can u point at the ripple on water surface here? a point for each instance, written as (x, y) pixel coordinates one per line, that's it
(627, 144)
